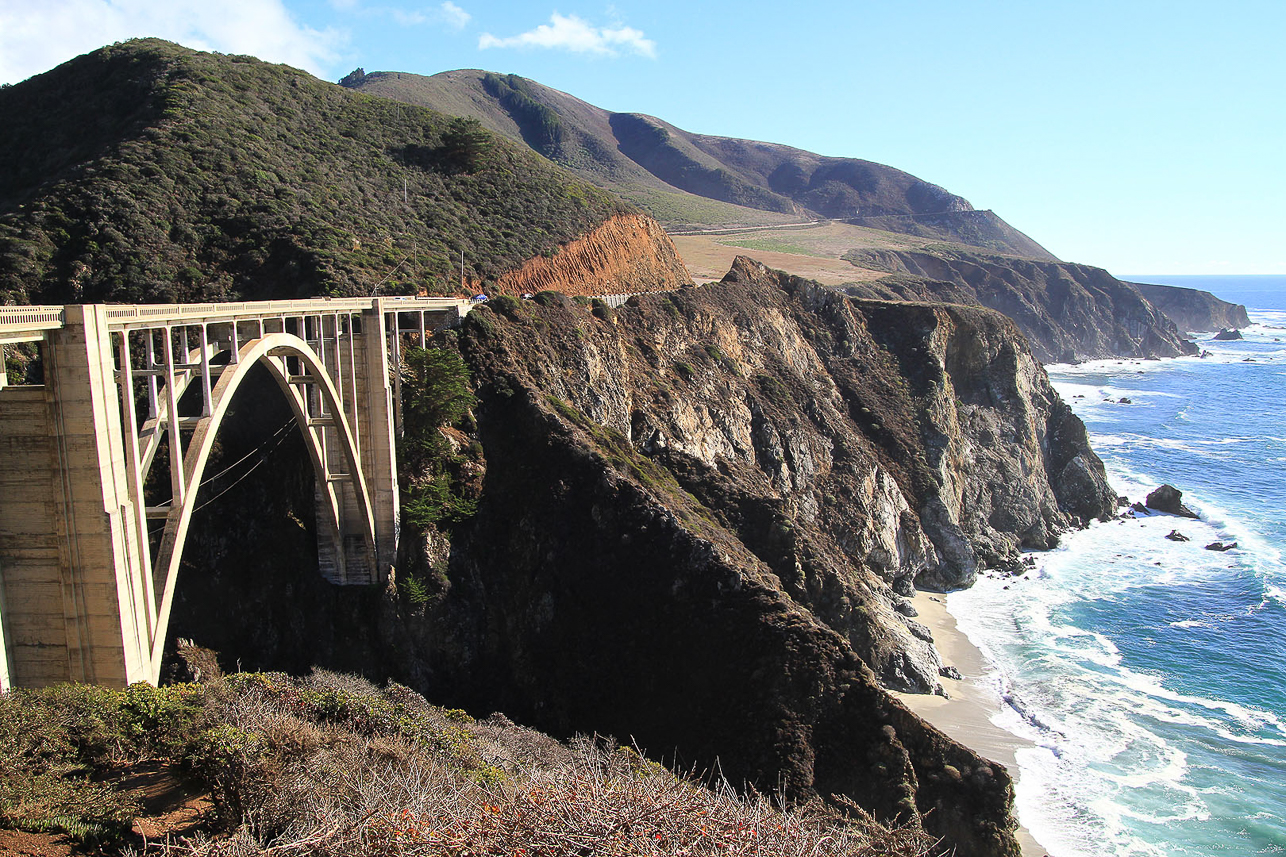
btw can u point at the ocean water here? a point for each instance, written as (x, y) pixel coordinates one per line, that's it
(1150, 674)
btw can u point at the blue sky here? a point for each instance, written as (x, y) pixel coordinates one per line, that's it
(1145, 137)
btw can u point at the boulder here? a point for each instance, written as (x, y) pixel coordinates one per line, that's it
(1220, 546)
(1229, 333)
(1167, 498)
(1140, 508)
(1176, 536)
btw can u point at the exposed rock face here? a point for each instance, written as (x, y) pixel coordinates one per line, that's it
(1068, 312)
(628, 253)
(698, 511)
(1193, 309)
(696, 516)
(1169, 499)
(1229, 335)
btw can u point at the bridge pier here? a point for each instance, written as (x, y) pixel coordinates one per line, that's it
(72, 563)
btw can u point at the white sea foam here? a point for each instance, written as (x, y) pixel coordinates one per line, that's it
(1098, 726)
(1137, 751)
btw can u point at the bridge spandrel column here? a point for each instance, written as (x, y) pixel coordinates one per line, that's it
(101, 563)
(376, 434)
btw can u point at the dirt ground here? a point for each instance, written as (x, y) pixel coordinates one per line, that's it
(811, 252)
(172, 805)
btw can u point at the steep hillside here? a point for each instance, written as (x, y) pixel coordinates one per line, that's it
(627, 253)
(145, 171)
(661, 167)
(1068, 312)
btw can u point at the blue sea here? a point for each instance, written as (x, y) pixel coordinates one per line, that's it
(1150, 675)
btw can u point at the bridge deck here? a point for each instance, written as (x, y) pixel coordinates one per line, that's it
(29, 323)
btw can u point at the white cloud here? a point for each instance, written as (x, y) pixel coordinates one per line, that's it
(448, 13)
(454, 15)
(571, 33)
(35, 37)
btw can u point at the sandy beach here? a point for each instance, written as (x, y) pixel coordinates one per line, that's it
(966, 716)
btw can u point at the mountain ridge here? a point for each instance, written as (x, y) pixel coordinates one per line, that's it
(635, 154)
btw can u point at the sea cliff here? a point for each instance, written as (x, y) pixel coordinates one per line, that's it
(700, 514)
(697, 519)
(1194, 309)
(1067, 311)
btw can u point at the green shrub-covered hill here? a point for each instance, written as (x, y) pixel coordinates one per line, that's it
(148, 172)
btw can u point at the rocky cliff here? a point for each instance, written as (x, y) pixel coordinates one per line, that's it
(698, 514)
(1194, 310)
(1068, 312)
(627, 253)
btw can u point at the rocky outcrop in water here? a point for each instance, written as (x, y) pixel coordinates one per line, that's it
(1169, 499)
(1068, 312)
(1193, 309)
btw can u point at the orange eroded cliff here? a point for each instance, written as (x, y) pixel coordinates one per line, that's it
(628, 253)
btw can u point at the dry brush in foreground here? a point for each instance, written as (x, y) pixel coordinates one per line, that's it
(331, 765)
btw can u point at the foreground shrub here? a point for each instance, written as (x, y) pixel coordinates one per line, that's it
(54, 742)
(332, 765)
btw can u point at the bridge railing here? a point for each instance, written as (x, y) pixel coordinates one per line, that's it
(150, 315)
(29, 323)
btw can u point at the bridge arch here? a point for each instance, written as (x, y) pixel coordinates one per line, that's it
(274, 351)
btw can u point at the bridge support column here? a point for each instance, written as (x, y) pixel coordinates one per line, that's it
(377, 435)
(6, 657)
(72, 565)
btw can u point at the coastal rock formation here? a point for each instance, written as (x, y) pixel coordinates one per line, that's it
(627, 253)
(1193, 309)
(1068, 312)
(698, 512)
(1228, 335)
(1169, 499)
(696, 518)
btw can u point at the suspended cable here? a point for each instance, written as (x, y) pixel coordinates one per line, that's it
(277, 435)
(262, 459)
(270, 438)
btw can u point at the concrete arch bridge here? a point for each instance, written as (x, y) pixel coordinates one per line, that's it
(85, 593)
